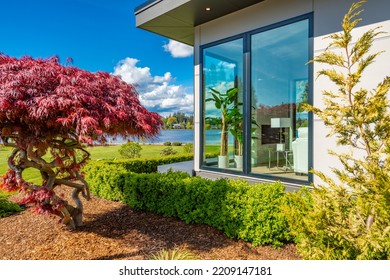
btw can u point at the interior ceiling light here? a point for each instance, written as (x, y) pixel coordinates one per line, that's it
(208, 9)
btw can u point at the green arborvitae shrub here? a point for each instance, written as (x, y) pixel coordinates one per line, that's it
(349, 218)
(130, 150)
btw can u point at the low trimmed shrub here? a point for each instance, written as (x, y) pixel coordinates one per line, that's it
(250, 212)
(130, 150)
(168, 151)
(188, 148)
(105, 180)
(139, 165)
(177, 143)
(241, 210)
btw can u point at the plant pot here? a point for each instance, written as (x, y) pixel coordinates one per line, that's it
(223, 161)
(238, 161)
(281, 147)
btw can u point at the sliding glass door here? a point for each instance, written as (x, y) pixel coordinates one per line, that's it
(253, 89)
(223, 118)
(279, 73)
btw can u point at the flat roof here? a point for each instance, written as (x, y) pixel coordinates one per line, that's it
(145, 5)
(176, 19)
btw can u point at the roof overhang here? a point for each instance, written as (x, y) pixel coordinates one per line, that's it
(176, 19)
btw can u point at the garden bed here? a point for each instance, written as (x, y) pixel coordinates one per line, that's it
(114, 231)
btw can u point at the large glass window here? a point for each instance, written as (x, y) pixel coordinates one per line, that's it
(268, 135)
(279, 87)
(223, 119)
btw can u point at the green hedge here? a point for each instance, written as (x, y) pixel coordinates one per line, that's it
(105, 180)
(139, 165)
(244, 211)
(104, 176)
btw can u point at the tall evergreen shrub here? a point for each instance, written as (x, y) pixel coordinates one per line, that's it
(349, 218)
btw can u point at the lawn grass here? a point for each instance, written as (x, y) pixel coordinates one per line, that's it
(97, 152)
(30, 174)
(212, 149)
(111, 152)
(4, 154)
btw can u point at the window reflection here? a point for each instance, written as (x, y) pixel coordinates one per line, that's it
(279, 88)
(278, 123)
(222, 76)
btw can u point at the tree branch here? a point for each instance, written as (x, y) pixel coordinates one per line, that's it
(68, 183)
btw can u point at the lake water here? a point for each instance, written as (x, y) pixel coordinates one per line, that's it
(178, 135)
(174, 135)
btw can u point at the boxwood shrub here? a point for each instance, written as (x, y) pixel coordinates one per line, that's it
(138, 165)
(251, 212)
(246, 211)
(105, 180)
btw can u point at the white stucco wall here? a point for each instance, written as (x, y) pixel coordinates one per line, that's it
(327, 20)
(328, 15)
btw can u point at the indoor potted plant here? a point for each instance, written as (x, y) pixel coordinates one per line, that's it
(225, 103)
(236, 129)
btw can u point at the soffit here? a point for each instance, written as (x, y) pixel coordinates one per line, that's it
(176, 19)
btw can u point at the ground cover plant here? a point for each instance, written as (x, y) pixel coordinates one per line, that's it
(47, 109)
(7, 207)
(349, 218)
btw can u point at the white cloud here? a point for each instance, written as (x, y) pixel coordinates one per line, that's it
(178, 49)
(156, 93)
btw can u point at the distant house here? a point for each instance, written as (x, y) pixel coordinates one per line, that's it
(262, 48)
(177, 126)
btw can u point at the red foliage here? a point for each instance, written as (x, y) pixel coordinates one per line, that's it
(44, 200)
(41, 99)
(9, 182)
(48, 107)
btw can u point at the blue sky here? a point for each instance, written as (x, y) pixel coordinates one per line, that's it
(100, 35)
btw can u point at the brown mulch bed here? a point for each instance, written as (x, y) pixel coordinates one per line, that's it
(114, 231)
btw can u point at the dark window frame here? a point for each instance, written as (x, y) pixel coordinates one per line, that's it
(246, 36)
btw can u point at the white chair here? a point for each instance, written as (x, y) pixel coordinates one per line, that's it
(300, 151)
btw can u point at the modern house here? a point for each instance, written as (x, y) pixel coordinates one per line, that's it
(261, 49)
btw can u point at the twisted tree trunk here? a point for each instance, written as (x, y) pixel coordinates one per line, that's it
(51, 172)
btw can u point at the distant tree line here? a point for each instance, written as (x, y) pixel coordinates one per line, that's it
(178, 120)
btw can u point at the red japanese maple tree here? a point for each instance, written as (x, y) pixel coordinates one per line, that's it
(48, 113)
